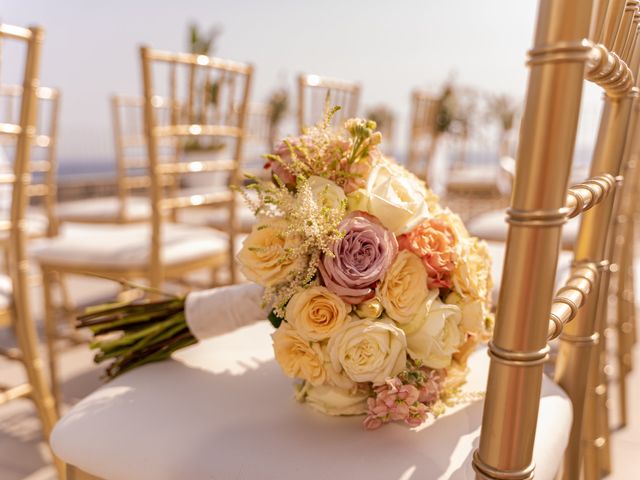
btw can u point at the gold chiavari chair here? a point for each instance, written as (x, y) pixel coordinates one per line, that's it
(15, 298)
(130, 203)
(313, 91)
(571, 43)
(423, 132)
(162, 249)
(43, 161)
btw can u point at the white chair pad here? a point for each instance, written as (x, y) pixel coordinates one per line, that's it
(223, 409)
(103, 210)
(6, 292)
(128, 246)
(497, 251)
(37, 225)
(492, 226)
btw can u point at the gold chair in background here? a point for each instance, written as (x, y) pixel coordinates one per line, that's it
(528, 314)
(163, 249)
(43, 161)
(130, 203)
(15, 298)
(313, 91)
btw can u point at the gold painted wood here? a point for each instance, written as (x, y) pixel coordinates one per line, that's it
(18, 266)
(538, 210)
(313, 91)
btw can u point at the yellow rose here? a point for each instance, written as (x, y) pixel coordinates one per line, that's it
(263, 258)
(316, 313)
(395, 197)
(298, 357)
(435, 337)
(368, 351)
(332, 400)
(472, 273)
(403, 290)
(326, 193)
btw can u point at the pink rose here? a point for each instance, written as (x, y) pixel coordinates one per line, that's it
(359, 259)
(433, 241)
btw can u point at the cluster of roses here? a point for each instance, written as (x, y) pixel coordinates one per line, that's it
(396, 301)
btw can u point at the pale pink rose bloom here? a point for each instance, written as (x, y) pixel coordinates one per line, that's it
(434, 242)
(360, 258)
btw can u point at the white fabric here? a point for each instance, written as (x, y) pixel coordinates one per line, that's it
(497, 251)
(103, 209)
(6, 292)
(492, 226)
(214, 312)
(223, 409)
(126, 246)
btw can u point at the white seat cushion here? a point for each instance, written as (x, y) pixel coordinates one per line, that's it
(6, 292)
(37, 225)
(497, 251)
(223, 409)
(103, 210)
(128, 246)
(492, 226)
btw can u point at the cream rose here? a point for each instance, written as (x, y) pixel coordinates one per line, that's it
(326, 193)
(473, 311)
(316, 313)
(298, 357)
(436, 336)
(472, 273)
(332, 400)
(263, 257)
(368, 351)
(403, 291)
(398, 200)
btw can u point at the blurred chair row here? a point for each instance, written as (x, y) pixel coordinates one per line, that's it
(178, 113)
(521, 408)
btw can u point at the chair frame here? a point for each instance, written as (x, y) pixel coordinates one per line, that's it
(36, 388)
(528, 313)
(345, 93)
(422, 125)
(155, 272)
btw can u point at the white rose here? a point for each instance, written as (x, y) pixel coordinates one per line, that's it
(316, 313)
(397, 199)
(473, 313)
(332, 400)
(368, 351)
(403, 291)
(472, 273)
(326, 193)
(435, 337)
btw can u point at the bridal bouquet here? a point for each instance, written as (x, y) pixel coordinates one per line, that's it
(378, 294)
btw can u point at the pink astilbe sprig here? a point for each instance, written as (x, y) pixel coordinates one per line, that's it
(407, 398)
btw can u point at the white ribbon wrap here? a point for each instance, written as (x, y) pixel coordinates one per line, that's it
(214, 312)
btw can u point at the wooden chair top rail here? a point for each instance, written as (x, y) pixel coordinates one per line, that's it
(197, 60)
(43, 93)
(13, 31)
(312, 80)
(197, 166)
(199, 200)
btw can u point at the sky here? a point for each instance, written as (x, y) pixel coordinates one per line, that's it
(90, 49)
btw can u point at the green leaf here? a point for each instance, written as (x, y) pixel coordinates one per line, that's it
(275, 320)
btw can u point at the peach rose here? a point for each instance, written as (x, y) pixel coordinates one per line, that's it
(298, 357)
(316, 313)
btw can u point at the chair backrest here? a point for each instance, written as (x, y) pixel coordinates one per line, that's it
(43, 160)
(422, 131)
(574, 40)
(24, 131)
(213, 112)
(132, 166)
(313, 91)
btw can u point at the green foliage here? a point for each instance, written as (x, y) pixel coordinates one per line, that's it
(275, 320)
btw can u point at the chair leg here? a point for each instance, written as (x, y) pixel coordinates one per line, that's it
(51, 333)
